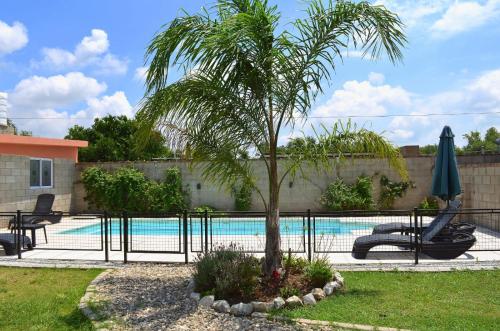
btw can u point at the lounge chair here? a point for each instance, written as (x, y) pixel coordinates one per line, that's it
(442, 248)
(42, 213)
(405, 228)
(8, 241)
(434, 243)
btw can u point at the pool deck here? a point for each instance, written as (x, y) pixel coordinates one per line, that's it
(88, 247)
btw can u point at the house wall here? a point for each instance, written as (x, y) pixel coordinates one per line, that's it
(303, 194)
(15, 191)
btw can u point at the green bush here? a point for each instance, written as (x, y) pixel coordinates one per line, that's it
(243, 196)
(202, 208)
(289, 291)
(390, 191)
(227, 271)
(318, 272)
(128, 189)
(429, 203)
(294, 264)
(341, 196)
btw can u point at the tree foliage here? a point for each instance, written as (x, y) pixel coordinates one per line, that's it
(247, 77)
(476, 143)
(113, 138)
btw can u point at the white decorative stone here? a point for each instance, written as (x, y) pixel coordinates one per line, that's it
(221, 306)
(241, 309)
(318, 294)
(257, 314)
(262, 307)
(339, 278)
(278, 303)
(195, 296)
(191, 285)
(207, 301)
(309, 300)
(294, 301)
(328, 289)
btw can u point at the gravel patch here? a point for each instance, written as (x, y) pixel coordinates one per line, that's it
(155, 297)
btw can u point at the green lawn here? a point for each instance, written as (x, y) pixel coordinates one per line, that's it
(459, 300)
(43, 299)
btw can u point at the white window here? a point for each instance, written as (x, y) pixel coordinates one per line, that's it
(41, 173)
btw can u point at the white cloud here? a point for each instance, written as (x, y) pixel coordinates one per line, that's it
(58, 122)
(364, 98)
(414, 12)
(95, 44)
(92, 51)
(12, 37)
(376, 78)
(54, 91)
(481, 94)
(141, 73)
(464, 16)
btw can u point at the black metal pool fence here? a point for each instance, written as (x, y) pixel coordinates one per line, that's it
(305, 233)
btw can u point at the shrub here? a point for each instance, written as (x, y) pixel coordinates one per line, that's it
(227, 271)
(390, 191)
(294, 264)
(318, 272)
(289, 291)
(243, 196)
(202, 208)
(341, 196)
(128, 189)
(429, 203)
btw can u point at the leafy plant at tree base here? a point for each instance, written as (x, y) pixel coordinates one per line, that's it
(341, 196)
(128, 189)
(390, 191)
(288, 291)
(227, 271)
(247, 77)
(294, 265)
(319, 272)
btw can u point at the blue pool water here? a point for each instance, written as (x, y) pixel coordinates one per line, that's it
(240, 226)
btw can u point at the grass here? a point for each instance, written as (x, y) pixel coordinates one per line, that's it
(43, 298)
(457, 300)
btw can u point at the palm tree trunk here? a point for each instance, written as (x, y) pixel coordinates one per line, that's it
(273, 239)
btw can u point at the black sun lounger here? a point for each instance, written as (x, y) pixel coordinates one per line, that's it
(436, 245)
(405, 228)
(37, 220)
(8, 241)
(444, 248)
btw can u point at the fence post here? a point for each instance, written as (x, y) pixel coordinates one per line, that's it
(206, 230)
(125, 237)
(185, 234)
(18, 241)
(309, 252)
(106, 235)
(416, 233)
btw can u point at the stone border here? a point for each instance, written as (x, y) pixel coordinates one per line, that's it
(48, 263)
(89, 299)
(258, 308)
(349, 326)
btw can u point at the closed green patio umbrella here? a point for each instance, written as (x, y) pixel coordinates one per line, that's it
(446, 180)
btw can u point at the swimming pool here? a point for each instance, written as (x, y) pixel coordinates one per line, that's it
(223, 226)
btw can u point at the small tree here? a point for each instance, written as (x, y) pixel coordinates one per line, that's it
(245, 80)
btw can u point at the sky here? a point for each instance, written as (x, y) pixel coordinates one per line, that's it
(66, 62)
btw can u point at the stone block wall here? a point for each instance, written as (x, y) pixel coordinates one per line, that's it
(15, 191)
(481, 187)
(297, 194)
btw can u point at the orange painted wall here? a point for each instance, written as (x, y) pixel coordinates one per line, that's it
(41, 147)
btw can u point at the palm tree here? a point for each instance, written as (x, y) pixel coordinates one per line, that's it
(245, 79)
